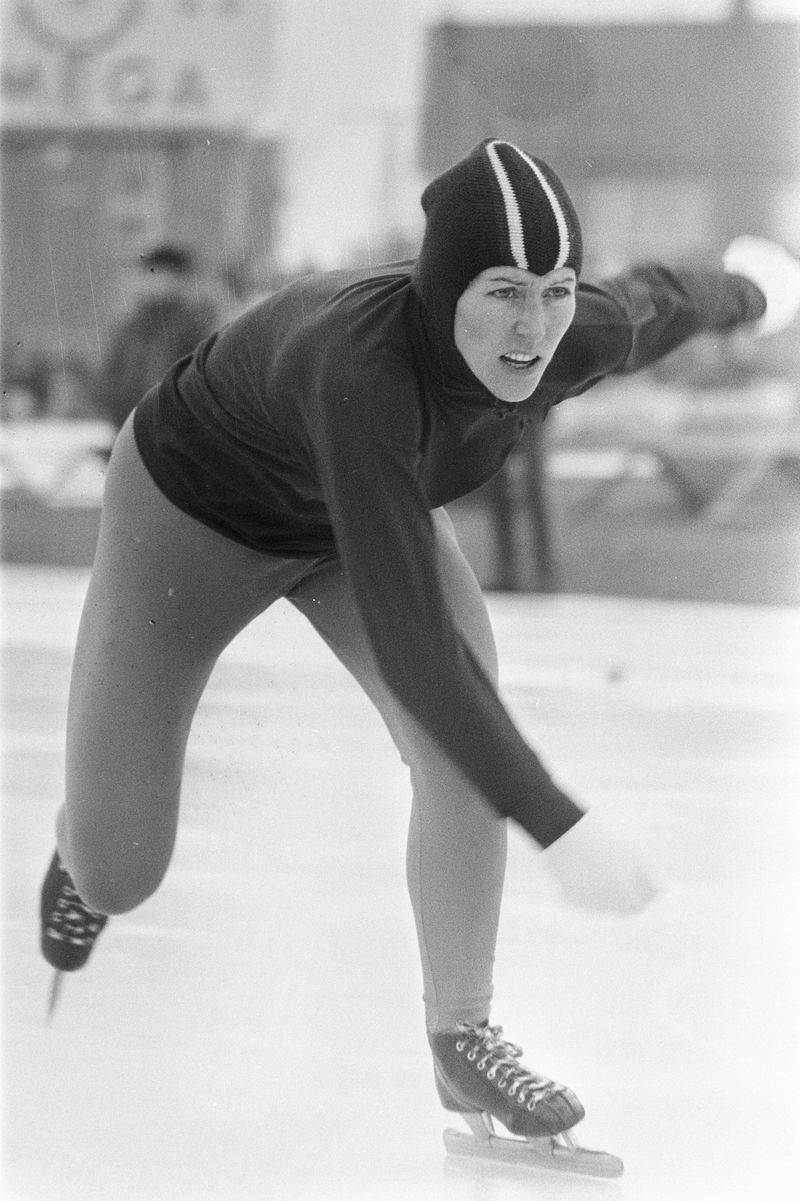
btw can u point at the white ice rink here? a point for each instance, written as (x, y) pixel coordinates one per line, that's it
(254, 1031)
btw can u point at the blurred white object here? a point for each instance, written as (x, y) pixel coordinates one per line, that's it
(594, 870)
(62, 463)
(772, 269)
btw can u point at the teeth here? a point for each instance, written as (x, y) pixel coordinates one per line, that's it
(519, 358)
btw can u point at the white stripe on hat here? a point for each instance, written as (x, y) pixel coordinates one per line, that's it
(513, 214)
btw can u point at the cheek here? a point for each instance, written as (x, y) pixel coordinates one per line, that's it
(470, 336)
(564, 322)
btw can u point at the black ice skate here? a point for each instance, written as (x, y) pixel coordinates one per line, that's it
(69, 927)
(479, 1075)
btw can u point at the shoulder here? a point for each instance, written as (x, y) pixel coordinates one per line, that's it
(324, 302)
(349, 323)
(354, 351)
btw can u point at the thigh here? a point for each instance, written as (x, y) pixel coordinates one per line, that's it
(166, 596)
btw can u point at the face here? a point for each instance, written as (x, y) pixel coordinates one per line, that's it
(508, 324)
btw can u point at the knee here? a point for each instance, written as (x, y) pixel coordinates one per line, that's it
(114, 880)
(115, 868)
(113, 892)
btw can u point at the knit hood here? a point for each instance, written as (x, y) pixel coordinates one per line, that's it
(496, 207)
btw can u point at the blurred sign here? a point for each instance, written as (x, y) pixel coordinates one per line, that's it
(147, 62)
(618, 100)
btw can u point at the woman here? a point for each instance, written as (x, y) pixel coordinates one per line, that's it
(306, 452)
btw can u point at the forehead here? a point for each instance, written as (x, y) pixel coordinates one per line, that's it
(517, 275)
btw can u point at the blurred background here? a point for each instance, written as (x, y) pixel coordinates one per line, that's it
(189, 156)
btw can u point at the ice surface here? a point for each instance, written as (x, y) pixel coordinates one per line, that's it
(255, 1031)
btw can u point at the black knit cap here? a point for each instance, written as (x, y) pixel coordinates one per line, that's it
(496, 207)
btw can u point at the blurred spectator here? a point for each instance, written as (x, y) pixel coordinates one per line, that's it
(170, 310)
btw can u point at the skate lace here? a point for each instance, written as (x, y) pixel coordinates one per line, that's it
(495, 1055)
(73, 921)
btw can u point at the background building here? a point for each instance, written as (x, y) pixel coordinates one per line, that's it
(124, 124)
(277, 135)
(669, 136)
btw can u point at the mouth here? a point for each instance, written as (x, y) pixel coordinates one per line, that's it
(519, 361)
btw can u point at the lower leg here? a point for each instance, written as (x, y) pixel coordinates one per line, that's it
(455, 867)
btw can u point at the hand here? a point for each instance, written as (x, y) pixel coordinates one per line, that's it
(594, 870)
(774, 271)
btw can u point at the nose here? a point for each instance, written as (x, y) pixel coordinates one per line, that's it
(530, 321)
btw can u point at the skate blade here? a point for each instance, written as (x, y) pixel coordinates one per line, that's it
(54, 994)
(557, 1152)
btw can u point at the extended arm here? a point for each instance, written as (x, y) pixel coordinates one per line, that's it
(758, 283)
(366, 445)
(663, 307)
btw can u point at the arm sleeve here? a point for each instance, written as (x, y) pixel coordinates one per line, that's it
(663, 307)
(635, 318)
(365, 442)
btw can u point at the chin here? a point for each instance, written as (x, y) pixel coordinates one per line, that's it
(515, 395)
(517, 389)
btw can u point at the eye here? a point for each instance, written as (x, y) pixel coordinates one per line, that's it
(508, 292)
(559, 291)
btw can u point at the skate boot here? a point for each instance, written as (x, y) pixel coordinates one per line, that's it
(479, 1075)
(69, 927)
